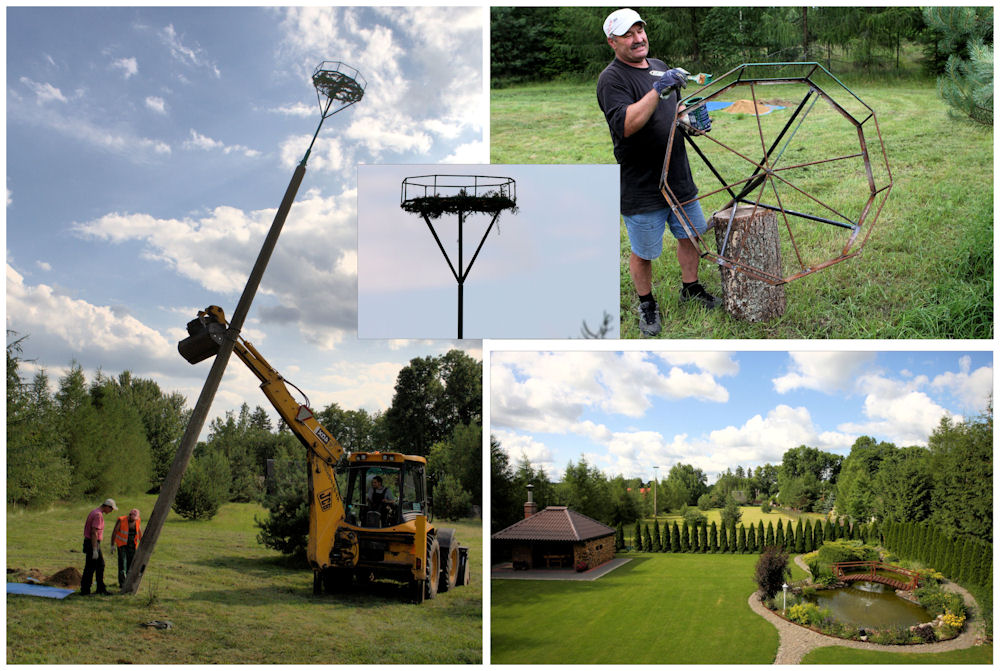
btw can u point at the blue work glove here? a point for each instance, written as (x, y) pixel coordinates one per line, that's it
(676, 77)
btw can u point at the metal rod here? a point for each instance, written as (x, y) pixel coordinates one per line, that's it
(440, 246)
(461, 273)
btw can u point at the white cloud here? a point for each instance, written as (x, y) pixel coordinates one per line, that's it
(299, 109)
(42, 265)
(44, 92)
(898, 411)
(972, 387)
(310, 275)
(716, 363)
(518, 447)
(203, 142)
(128, 66)
(156, 104)
(193, 56)
(823, 371)
(469, 153)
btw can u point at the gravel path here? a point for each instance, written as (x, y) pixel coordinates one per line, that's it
(796, 641)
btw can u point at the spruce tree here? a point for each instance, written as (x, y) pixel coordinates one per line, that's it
(675, 539)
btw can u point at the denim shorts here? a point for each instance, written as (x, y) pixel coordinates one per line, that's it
(645, 230)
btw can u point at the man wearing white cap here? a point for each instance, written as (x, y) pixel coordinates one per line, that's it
(93, 534)
(629, 93)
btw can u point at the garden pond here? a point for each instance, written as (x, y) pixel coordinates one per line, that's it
(871, 606)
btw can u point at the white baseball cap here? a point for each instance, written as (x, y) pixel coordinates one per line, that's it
(110, 503)
(619, 21)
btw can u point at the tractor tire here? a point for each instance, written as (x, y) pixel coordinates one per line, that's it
(433, 568)
(449, 559)
(464, 571)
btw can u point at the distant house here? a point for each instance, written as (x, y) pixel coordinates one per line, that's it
(557, 537)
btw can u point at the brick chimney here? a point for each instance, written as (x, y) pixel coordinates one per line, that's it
(530, 507)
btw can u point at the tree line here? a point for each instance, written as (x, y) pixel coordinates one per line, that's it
(947, 484)
(955, 43)
(118, 436)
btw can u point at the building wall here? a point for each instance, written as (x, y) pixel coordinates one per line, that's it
(594, 552)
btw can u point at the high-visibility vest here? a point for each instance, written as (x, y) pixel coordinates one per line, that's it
(120, 537)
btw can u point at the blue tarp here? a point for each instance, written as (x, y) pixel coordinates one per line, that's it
(38, 590)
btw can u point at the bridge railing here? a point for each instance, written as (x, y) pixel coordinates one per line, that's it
(841, 569)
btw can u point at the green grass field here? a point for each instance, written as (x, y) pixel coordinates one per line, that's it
(750, 515)
(926, 271)
(231, 601)
(658, 609)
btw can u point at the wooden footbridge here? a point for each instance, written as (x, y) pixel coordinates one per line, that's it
(873, 571)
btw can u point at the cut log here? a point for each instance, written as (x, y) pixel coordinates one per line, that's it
(754, 242)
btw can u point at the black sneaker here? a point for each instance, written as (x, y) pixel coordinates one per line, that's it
(696, 292)
(649, 318)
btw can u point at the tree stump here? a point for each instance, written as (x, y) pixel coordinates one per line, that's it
(754, 241)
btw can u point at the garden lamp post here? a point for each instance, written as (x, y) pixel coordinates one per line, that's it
(656, 481)
(338, 86)
(784, 596)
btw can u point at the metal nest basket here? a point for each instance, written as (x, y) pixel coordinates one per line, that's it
(337, 82)
(434, 195)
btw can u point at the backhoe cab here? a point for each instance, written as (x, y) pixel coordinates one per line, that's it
(382, 526)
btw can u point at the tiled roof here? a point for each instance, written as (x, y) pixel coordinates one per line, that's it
(555, 523)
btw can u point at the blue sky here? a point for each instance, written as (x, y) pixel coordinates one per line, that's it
(626, 412)
(147, 149)
(541, 272)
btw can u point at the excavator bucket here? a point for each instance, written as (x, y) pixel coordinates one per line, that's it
(204, 337)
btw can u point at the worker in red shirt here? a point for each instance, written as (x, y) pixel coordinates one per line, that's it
(125, 539)
(93, 534)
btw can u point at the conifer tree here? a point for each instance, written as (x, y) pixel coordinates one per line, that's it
(713, 537)
(741, 544)
(619, 537)
(967, 83)
(732, 539)
(779, 536)
(656, 536)
(637, 538)
(675, 539)
(800, 539)
(829, 533)
(760, 536)
(723, 539)
(703, 538)
(666, 540)
(685, 537)
(769, 538)
(752, 539)
(647, 541)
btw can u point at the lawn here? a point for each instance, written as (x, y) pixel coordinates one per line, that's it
(926, 271)
(749, 515)
(230, 601)
(656, 609)
(982, 654)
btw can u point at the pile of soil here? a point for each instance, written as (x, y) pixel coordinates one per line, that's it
(746, 107)
(69, 578)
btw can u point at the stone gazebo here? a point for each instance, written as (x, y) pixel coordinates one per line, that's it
(557, 537)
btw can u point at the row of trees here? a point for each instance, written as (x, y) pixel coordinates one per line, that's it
(118, 435)
(956, 43)
(948, 484)
(966, 560)
(804, 536)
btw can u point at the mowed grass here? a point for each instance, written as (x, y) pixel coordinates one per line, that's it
(980, 654)
(231, 601)
(925, 272)
(656, 609)
(749, 515)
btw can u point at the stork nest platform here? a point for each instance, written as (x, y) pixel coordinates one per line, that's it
(434, 206)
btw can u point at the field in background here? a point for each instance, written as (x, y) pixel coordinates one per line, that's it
(926, 271)
(230, 600)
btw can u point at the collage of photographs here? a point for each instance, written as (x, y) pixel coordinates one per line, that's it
(586, 335)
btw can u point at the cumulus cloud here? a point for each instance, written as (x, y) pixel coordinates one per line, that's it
(421, 89)
(312, 274)
(972, 388)
(128, 66)
(518, 447)
(898, 410)
(823, 371)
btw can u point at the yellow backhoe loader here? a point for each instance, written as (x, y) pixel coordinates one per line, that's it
(364, 534)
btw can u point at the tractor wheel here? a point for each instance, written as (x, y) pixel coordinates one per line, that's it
(336, 580)
(433, 568)
(449, 559)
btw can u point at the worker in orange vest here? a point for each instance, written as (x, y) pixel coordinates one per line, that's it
(125, 539)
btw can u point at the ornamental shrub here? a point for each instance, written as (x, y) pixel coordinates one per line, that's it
(771, 571)
(779, 535)
(713, 538)
(675, 539)
(637, 537)
(647, 542)
(703, 538)
(656, 536)
(807, 613)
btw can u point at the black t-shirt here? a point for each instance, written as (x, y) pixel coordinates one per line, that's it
(641, 154)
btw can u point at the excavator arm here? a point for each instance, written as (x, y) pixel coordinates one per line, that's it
(326, 509)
